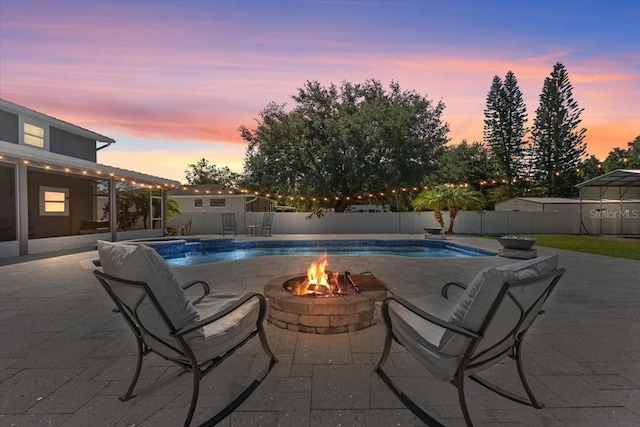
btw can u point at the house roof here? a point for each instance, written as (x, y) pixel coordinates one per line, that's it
(555, 201)
(616, 178)
(60, 124)
(549, 200)
(47, 160)
(211, 190)
(191, 190)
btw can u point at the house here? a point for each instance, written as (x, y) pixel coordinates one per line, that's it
(201, 206)
(54, 195)
(539, 204)
(602, 216)
(213, 198)
(368, 208)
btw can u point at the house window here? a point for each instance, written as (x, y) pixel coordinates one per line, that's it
(217, 203)
(54, 201)
(34, 133)
(198, 203)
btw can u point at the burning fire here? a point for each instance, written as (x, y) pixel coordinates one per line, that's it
(319, 281)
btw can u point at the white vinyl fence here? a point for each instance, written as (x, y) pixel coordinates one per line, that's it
(467, 222)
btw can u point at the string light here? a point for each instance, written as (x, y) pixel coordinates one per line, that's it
(85, 172)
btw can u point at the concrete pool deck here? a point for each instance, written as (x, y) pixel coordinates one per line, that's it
(65, 357)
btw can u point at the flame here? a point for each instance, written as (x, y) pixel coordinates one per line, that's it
(317, 278)
(319, 281)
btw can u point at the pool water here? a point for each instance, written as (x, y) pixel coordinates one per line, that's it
(184, 253)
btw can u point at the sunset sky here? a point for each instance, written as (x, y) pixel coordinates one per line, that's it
(171, 81)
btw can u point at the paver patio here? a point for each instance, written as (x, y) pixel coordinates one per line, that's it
(65, 357)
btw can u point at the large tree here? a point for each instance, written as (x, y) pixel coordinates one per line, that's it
(464, 163)
(619, 158)
(633, 153)
(357, 138)
(204, 172)
(558, 141)
(504, 128)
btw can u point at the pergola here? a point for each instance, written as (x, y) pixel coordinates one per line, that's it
(621, 186)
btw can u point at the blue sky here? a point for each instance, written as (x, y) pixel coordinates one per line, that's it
(172, 81)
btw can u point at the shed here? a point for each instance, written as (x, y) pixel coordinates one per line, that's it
(623, 185)
(538, 204)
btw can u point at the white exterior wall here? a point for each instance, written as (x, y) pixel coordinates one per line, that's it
(519, 205)
(50, 244)
(187, 204)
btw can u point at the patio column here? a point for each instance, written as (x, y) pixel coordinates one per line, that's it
(23, 209)
(113, 200)
(163, 195)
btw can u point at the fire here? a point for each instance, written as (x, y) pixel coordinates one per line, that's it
(318, 282)
(317, 278)
(321, 282)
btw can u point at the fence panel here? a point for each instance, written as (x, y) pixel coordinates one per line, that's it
(466, 222)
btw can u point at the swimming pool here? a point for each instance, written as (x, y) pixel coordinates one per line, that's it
(199, 251)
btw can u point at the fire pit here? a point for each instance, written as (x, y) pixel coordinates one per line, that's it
(324, 302)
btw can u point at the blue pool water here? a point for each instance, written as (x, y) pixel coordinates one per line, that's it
(198, 251)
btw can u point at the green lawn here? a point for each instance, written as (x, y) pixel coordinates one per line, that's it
(611, 246)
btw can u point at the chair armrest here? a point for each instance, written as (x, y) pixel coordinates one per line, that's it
(205, 285)
(445, 288)
(205, 288)
(202, 322)
(426, 316)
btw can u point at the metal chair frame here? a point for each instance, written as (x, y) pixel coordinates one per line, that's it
(181, 345)
(264, 228)
(467, 361)
(229, 223)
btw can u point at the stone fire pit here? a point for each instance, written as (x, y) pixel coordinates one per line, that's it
(324, 315)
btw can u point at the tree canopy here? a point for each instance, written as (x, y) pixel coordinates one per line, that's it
(345, 140)
(204, 172)
(450, 197)
(558, 142)
(504, 128)
(464, 163)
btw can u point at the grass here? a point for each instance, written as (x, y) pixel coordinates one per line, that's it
(610, 246)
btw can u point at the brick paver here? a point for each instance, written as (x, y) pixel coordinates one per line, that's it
(65, 357)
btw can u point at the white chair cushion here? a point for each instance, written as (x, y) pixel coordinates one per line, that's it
(473, 307)
(141, 263)
(421, 337)
(221, 336)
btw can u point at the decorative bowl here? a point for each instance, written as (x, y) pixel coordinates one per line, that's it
(515, 242)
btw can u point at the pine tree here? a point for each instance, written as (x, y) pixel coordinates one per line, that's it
(558, 143)
(504, 128)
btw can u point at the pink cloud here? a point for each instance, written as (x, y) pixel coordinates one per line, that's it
(127, 73)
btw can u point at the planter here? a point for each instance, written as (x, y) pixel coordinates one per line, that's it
(434, 230)
(519, 243)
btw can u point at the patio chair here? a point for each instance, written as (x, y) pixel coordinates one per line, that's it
(469, 328)
(197, 335)
(229, 223)
(264, 228)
